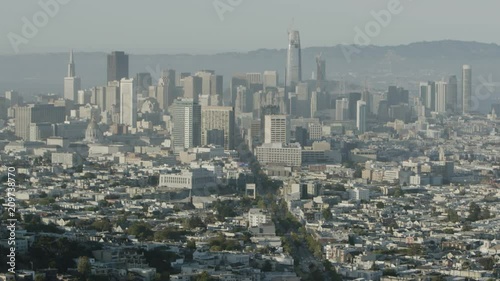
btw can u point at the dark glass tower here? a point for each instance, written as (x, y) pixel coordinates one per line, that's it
(117, 66)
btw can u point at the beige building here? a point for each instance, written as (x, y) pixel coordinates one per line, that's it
(277, 129)
(188, 179)
(217, 126)
(277, 153)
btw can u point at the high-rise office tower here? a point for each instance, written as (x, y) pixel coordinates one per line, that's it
(244, 101)
(117, 66)
(98, 97)
(254, 82)
(165, 93)
(186, 117)
(342, 109)
(277, 129)
(236, 81)
(428, 95)
(217, 126)
(320, 72)
(192, 87)
(217, 90)
(254, 78)
(353, 99)
(84, 96)
(179, 79)
(303, 106)
(466, 89)
(397, 95)
(361, 116)
(36, 114)
(270, 80)
(12, 98)
(423, 89)
(294, 59)
(128, 103)
(452, 94)
(206, 81)
(212, 86)
(3, 108)
(72, 84)
(112, 95)
(441, 94)
(262, 112)
(367, 97)
(314, 103)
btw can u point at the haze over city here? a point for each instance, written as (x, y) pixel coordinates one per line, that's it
(168, 27)
(229, 140)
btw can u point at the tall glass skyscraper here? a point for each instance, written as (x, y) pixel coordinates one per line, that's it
(294, 59)
(466, 89)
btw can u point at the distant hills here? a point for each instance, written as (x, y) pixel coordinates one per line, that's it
(379, 66)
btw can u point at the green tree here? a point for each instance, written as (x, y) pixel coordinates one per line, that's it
(191, 244)
(380, 205)
(474, 212)
(398, 192)
(204, 276)
(40, 277)
(487, 263)
(389, 272)
(102, 225)
(194, 222)
(141, 230)
(452, 215)
(331, 271)
(84, 267)
(267, 266)
(327, 214)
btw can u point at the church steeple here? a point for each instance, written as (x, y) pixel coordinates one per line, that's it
(71, 65)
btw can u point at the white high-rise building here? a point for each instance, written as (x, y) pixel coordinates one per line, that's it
(466, 89)
(361, 116)
(277, 129)
(441, 94)
(254, 78)
(271, 79)
(186, 116)
(72, 84)
(128, 103)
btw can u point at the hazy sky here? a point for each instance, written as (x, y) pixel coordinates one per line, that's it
(195, 26)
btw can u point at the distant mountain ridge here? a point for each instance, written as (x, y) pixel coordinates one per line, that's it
(380, 65)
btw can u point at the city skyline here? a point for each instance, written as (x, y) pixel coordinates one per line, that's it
(352, 162)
